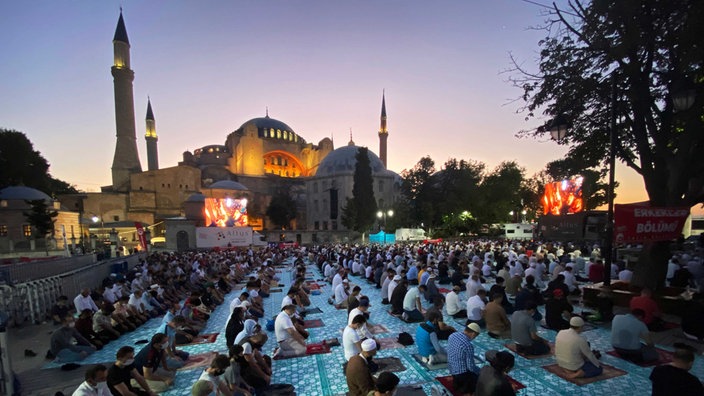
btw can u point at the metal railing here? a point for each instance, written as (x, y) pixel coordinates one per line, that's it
(38, 269)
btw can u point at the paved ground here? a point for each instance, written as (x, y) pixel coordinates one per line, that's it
(322, 374)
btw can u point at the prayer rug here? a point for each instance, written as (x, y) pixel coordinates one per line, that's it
(392, 364)
(313, 323)
(410, 390)
(275, 290)
(313, 311)
(609, 372)
(587, 326)
(389, 343)
(446, 381)
(203, 339)
(313, 286)
(430, 367)
(512, 347)
(663, 358)
(199, 360)
(377, 329)
(311, 349)
(444, 290)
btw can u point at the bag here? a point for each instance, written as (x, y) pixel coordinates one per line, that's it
(279, 390)
(270, 325)
(405, 339)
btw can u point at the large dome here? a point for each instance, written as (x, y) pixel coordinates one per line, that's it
(227, 185)
(343, 160)
(273, 129)
(23, 193)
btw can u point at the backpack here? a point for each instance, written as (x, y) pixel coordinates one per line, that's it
(405, 339)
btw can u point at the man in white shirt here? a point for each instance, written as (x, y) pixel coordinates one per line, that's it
(291, 342)
(573, 354)
(95, 384)
(84, 301)
(387, 278)
(412, 307)
(392, 285)
(363, 310)
(351, 340)
(341, 294)
(452, 304)
(237, 301)
(570, 280)
(476, 306)
(337, 279)
(473, 285)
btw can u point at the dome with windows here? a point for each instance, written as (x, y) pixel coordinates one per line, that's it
(343, 160)
(271, 128)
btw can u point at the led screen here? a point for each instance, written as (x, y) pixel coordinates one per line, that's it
(563, 197)
(225, 212)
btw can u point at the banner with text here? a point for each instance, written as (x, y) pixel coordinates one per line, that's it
(223, 237)
(640, 222)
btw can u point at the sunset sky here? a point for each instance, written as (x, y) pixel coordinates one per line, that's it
(319, 66)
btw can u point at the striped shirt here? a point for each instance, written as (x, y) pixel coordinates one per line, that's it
(460, 354)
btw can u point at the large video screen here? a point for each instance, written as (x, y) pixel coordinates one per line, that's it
(225, 212)
(563, 197)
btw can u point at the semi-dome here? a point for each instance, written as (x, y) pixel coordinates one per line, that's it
(343, 160)
(228, 185)
(271, 128)
(23, 193)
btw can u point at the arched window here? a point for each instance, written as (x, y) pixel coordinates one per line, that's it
(278, 133)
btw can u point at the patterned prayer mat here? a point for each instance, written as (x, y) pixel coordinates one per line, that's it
(313, 323)
(512, 347)
(609, 372)
(377, 329)
(310, 311)
(392, 364)
(389, 343)
(446, 381)
(311, 349)
(664, 357)
(199, 360)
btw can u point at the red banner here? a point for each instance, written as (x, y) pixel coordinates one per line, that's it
(140, 234)
(639, 222)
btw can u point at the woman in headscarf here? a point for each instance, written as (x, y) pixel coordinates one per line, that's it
(250, 328)
(234, 326)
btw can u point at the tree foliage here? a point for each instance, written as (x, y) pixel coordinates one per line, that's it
(282, 208)
(632, 57)
(41, 218)
(21, 165)
(360, 211)
(648, 49)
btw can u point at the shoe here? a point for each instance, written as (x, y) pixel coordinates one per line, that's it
(404, 316)
(29, 353)
(431, 361)
(425, 359)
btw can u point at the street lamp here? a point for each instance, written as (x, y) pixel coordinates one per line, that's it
(384, 215)
(523, 217)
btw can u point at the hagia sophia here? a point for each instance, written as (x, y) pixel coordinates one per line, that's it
(259, 158)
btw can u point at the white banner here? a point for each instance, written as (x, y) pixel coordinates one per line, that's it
(223, 237)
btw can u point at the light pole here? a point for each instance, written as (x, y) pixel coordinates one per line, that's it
(384, 214)
(523, 216)
(513, 215)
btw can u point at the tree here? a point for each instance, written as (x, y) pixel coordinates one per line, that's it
(360, 211)
(21, 165)
(499, 193)
(418, 189)
(41, 218)
(641, 52)
(282, 208)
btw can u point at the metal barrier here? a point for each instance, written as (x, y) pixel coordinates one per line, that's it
(40, 269)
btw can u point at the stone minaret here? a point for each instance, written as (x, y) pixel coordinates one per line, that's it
(150, 136)
(126, 160)
(383, 133)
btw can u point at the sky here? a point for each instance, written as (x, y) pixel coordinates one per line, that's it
(319, 66)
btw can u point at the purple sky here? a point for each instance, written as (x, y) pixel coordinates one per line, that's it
(319, 66)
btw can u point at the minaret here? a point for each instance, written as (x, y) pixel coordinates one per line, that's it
(383, 133)
(126, 159)
(150, 136)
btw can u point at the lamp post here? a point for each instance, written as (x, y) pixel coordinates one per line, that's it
(384, 214)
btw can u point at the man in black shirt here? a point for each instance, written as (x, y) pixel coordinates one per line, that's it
(674, 378)
(121, 374)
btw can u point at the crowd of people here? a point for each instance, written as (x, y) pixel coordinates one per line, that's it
(183, 289)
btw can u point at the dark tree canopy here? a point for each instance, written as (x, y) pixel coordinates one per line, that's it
(282, 208)
(651, 50)
(21, 165)
(41, 218)
(360, 211)
(639, 55)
